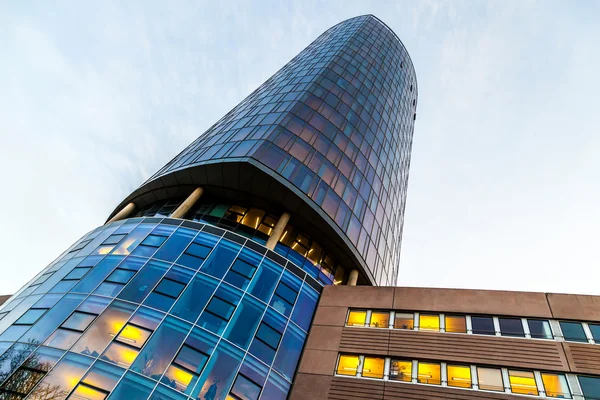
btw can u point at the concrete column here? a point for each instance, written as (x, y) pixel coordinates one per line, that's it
(187, 203)
(339, 275)
(353, 278)
(124, 213)
(278, 231)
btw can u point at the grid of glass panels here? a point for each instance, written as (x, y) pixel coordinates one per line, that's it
(157, 308)
(336, 122)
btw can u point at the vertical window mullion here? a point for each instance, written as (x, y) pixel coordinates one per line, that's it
(539, 383)
(368, 318)
(415, 371)
(497, 331)
(469, 324)
(556, 330)
(474, 378)
(588, 332)
(416, 317)
(442, 323)
(526, 328)
(392, 319)
(443, 374)
(506, 380)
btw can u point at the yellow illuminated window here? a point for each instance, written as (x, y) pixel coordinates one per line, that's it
(522, 382)
(357, 318)
(404, 321)
(429, 373)
(347, 365)
(429, 322)
(181, 377)
(83, 391)
(455, 323)
(373, 367)
(253, 218)
(556, 385)
(380, 319)
(459, 376)
(120, 354)
(401, 370)
(133, 335)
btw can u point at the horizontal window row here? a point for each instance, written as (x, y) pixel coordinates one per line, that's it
(531, 328)
(466, 376)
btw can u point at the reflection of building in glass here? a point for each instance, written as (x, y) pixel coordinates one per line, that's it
(204, 281)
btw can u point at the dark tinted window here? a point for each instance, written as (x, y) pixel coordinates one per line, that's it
(595, 332)
(573, 331)
(483, 325)
(590, 386)
(511, 327)
(539, 329)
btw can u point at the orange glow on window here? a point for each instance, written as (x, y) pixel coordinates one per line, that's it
(347, 365)
(522, 382)
(459, 376)
(133, 335)
(104, 249)
(429, 322)
(86, 392)
(182, 378)
(357, 318)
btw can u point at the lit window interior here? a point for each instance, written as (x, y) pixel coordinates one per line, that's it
(429, 373)
(373, 367)
(181, 377)
(120, 354)
(429, 322)
(133, 335)
(459, 376)
(380, 319)
(347, 365)
(556, 385)
(404, 321)
(357, 318)
(401, 370)
(522, 382)
(456, 323)
(82, 391)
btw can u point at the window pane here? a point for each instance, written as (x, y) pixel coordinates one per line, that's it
(120, 354)
(134, 336)
(590, 386)
(539, 329)
(483, 325)
(573, 331)
(244, 322)
(103, 376)
(401, 370)
(595, 329)
(347, 365)
(62, 339)
(429, 373)
(511, 327)
(133, 387)
(195, 297)
(77, 273)
(220, 371)
(404, 321)
(31, 316)
(456, 323)
(170, 288)
(178, 378)
(78, 321)
(459, 376)
(62, 379)
(556, 385)
(357, 318)
(289, 351)
(144, 282)
(373, 367)
(380, 319)
(490, 379)
(120, 276)
(245, 389)
(429, 322)
(268, 335)
(522, 382)
(83, 391)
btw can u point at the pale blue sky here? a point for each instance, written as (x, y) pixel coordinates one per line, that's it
(504, 187)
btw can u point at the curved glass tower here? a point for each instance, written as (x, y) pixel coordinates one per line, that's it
(204, 280)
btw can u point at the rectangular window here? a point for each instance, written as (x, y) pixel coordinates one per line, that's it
(373, 367)
(459, 376)
(380, 319)
(573, 331)
(401, 370)
(170, 288)
(268, 335)
(590, 386)
(121, 276)
(77, 274)
(31, 316)
(555, 385)
(522, 382)
(113, 239)
(42, 278)
(429, 322)
(490, 379)
(483, 325)
(511, 327)
(429, 373)
(595, 329)
(540, 329)
(347, 365)
(357, 318)
(245, 388)
(220, 308)
(455, 323)
(404, 321)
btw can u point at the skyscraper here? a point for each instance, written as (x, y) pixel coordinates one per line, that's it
(204, 280)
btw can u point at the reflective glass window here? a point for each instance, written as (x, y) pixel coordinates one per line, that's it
(78, 321)
(89, 282)
(245, 389)
(77, 273)
(220, 309)
(380, 319)
(31, 372)
(590, 386)
(268, 335)
(522, 382)
(401, 370)
(511, 327)
(595, 329)
(540, 329)
(218, 375)
(429, 322)
(490, 379)
(244, 322)
(276, 387)
(555, 385)
(455, 323)
(143, 283)
(483, 325)
(132, 240)
(243, 269)
(31, 316)
(103, 376)
(289, 352)
(265, 279)
(198, 250)
(459, 376)
(347, 365)
(162, 393)
(220, 259)
(373, 367)
(284, 298)
(429, 373)
(62, 379)
(175, 245)
(404, 321)
(262, 345)
(113, 239)
(573, 331)
(120, 276)
(133, 335)
(193, 299)
(133, 387)
(305, 307)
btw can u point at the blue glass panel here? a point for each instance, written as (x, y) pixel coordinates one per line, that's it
(285, 295)
(147, 318)
(195, 297)
(94, 304)
(264, 281)
(133, 387)
(220, 259)
(120, 276)
(154, 240)
(305, 307)
(161, 348)
(219, 309)
(164, 393)
(13, 358)
(133, 263)
(63, 286)
(144, 281)
(573, 331)
(109, 289)
(72, 366)
(260, 347)
(176, 244)
(48, 301)
(245, 389)
(289, 351)
(97, 275)
(77, 273)
(219, 373)
(590, 386)
(52, 319)
(103, 376)
(255, 370)
(13, 333)
(244, 322)
(276, 388)
(196, 253)
(31, 316)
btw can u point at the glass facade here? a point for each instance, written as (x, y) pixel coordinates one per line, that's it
(335, 124)
(158, 308)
